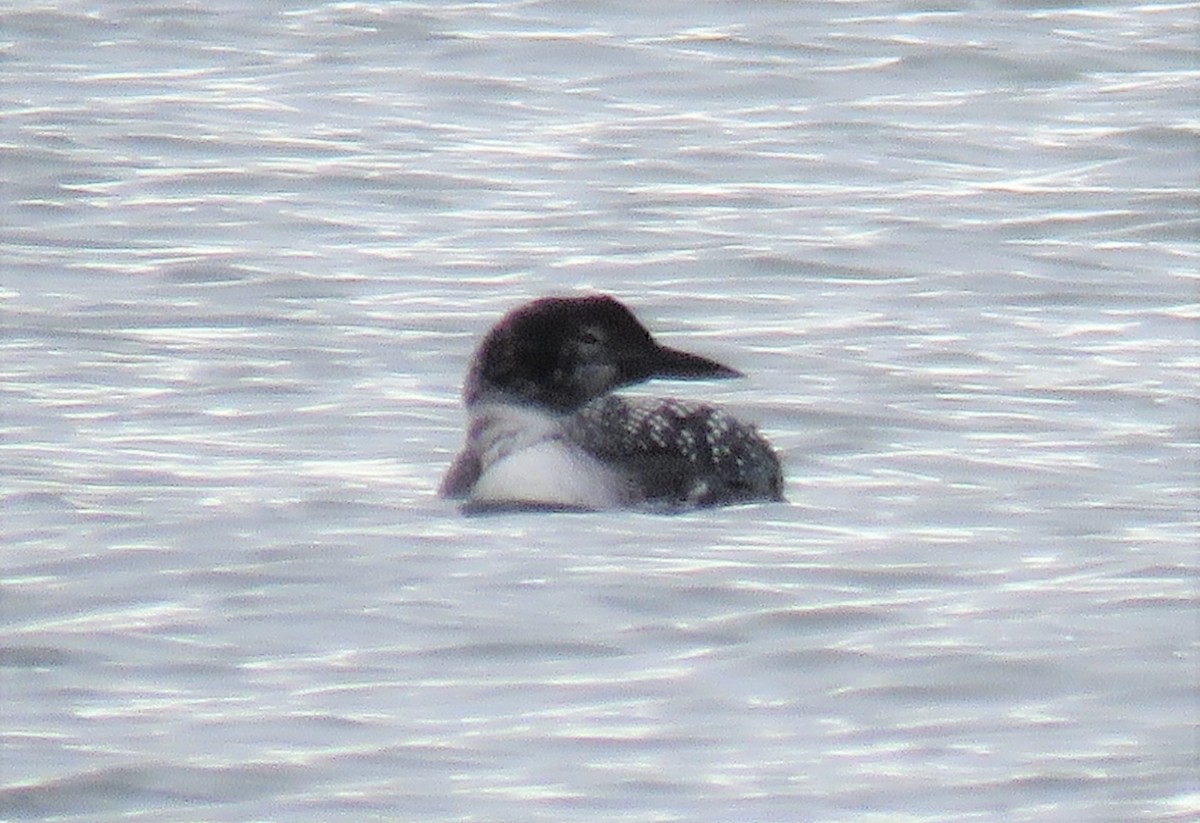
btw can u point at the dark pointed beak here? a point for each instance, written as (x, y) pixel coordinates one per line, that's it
(668, 362)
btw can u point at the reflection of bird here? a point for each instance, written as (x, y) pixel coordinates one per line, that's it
(546, 433)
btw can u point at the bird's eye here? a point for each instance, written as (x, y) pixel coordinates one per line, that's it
(590, 336)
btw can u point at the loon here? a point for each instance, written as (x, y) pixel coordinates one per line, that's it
(545, 430)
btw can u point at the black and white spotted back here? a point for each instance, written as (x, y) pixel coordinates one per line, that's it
(677, 452)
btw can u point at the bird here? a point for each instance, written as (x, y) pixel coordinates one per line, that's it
(546, 430)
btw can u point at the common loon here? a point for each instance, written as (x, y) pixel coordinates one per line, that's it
(545, 432)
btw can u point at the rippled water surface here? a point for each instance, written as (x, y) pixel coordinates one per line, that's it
(247, 250)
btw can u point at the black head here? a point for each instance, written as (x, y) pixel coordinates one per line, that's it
(561, 352)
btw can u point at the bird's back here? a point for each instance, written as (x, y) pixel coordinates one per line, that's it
(677, 453)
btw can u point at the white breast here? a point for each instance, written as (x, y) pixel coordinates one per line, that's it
(549, 473)
(523, 460)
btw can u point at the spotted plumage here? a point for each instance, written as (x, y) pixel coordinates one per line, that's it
(679, 452)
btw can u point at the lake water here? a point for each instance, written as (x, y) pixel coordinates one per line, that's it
(247, 250)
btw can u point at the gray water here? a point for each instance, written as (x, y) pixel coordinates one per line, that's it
(248, 249)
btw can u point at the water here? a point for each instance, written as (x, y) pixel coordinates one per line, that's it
(247, 252)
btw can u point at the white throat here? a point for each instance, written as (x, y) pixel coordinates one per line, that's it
(523, 458)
